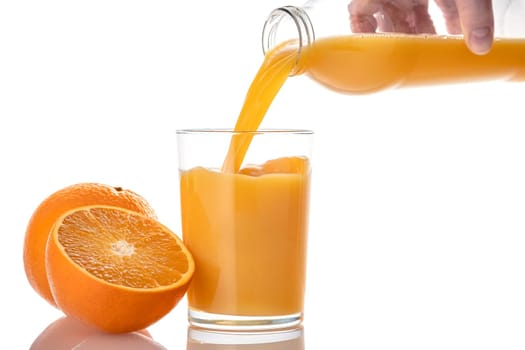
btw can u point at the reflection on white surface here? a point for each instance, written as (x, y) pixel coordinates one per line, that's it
(199, 339)
(127, 341)
(67, 333)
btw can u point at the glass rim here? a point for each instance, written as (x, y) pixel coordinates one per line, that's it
(231, 131)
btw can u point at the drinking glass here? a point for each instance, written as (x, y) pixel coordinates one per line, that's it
(245, 225)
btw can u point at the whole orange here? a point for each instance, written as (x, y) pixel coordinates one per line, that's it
(55, 205)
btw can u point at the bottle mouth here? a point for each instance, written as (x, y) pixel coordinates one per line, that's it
(287, 23)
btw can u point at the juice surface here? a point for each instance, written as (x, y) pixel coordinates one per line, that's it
(247, 232)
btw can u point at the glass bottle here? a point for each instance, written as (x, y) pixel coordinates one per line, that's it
(329, 52)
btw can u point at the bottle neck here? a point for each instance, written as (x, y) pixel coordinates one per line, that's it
(287, 23)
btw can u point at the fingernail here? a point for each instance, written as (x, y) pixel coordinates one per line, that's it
(480, 40)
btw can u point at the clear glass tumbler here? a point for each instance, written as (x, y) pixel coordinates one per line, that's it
(247, 228)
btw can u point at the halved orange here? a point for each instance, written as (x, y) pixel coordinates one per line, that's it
(115, 269)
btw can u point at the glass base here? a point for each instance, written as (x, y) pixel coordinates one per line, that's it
(292, 338)
(243, 323)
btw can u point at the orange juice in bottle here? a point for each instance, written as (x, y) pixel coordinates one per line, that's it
(355, 63)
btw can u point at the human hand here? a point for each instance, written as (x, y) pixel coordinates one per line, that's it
(472, 18)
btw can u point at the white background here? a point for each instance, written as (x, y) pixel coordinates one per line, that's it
(418, 199)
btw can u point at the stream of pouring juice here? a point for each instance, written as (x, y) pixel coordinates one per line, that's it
(227, 280)
(357, 64)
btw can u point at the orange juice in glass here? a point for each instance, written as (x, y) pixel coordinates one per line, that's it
(246, 227)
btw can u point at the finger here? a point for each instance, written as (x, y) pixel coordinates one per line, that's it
(477, 23)
(362, 18)
(412, 20)
(380, 15)
(423, 21)
(451, 15)
(363, 24)
(396, 19)
(398, 16)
